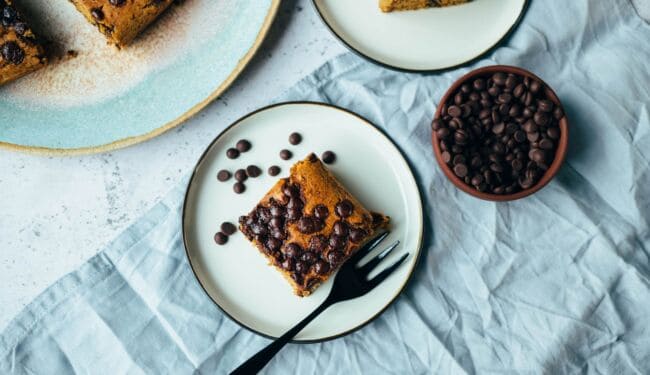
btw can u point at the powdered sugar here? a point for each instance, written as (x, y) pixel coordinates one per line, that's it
(101, 71)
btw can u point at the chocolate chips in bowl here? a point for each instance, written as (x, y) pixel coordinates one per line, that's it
(500, 133)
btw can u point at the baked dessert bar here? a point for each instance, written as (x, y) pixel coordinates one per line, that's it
(391, 5)
(308, 224)
(121, 20)
(20, 51)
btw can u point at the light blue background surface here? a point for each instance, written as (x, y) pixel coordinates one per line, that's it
(162, 97)
(556, 283)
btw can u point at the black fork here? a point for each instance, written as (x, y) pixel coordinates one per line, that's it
(350, 282)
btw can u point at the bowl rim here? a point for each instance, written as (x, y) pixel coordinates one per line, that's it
(560, 153)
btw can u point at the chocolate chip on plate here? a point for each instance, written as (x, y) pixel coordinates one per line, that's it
(241, 175)
(243, 145)
(286, 154)
(228, 228)
(239, 187)
(328, 157)
(220, 238)
(232, 153)
(295, 138)
(274, 170)
(223, 175)
(253, 171)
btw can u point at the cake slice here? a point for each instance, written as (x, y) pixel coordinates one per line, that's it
(308, 224)
(391, 5)
(121, 20)
(20, 51)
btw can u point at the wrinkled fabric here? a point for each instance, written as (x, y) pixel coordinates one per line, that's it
(558, 282)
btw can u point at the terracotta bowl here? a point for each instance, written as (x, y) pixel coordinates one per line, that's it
(560, 152)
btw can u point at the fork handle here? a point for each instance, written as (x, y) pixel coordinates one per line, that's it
(257, 362)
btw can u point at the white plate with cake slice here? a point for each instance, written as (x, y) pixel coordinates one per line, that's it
(237, 276)
(425, 38)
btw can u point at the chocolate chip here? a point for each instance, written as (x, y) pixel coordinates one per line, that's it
(301, 267)
(341, 228)
(308, 257)
(312, 158)
(228, 228)
(290, 190)
(239, 187)
(276, 210)
(292, 250)
(344, 208)
(321, 211)
(232, 153)
(335, 257)
(97, 14)
(276, 223)
(306, 225)
(357, 234)
(288, 264)
(273, 244)
(321, 267)
(220, 238)
(241, 175)
(223, 175)
(286, 154)
(328, 157)
(264, 215)
(253, 171)
(317, 243)
(337, 242)
(117, 3)
(12, 53)
(243, 145)
(9, 15)
(274, 170)
(294, 214)
(500, 136)
(295, 138)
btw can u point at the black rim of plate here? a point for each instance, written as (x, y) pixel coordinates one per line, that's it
(494, 46)
(184, 214)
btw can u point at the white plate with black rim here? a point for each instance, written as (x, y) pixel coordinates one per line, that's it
(424, 40)
(236, 276)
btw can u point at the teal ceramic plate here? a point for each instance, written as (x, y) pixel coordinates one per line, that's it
(105, 98)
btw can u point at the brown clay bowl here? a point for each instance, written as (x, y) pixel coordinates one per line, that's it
(560, 152)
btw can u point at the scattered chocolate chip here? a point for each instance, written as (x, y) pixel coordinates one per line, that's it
(344, 208)
(220, 238)
(243, 145)
(239, 187)
(228, 228)
(12, 53)
(241, 175)
(223, 175)
(117, 3)
(97, 14)
(253, 171)
(274, 170)
(232, 153)
(328, 157)
(286, 154)
(295, 138)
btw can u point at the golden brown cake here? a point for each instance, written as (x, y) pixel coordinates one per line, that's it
(391, 5)
(20, 51)
(121, 20)
(308, 224)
